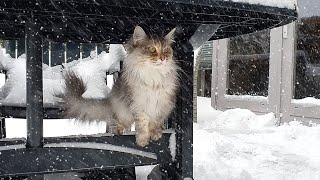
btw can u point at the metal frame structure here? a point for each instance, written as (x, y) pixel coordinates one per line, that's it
(113, 22)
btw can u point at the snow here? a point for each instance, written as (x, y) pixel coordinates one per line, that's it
(229, 145)
(12, 147)
(196, 55)
(92, 69)
(16, 128)
(243, 119)
(246, 97)
(307, 102)
(309, 8)
(276, 3)
(143, 171)
(172, 145)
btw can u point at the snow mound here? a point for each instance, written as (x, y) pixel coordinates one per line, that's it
(205, 112)
(244, 119)
(231, 119)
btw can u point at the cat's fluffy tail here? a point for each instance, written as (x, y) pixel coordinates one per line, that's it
(83, 109)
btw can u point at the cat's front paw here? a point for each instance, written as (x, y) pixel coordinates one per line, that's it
(155, 128)
(118, 129)
(155, 135)
(142, 140)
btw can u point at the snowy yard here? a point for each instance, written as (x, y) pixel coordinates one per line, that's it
(235, 144)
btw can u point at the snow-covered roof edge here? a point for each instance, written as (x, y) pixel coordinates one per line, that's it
(290, 4)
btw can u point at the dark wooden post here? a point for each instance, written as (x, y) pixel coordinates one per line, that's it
(2, 127)
(185, 110)
(34, 85)
(34, 89)
(182, 168)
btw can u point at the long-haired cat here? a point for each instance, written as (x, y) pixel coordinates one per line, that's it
(144, 93)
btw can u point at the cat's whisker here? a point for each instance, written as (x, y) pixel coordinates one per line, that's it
(183, 73)
(180, 60)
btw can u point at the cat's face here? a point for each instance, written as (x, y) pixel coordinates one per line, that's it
(157, 51)
(154, 51)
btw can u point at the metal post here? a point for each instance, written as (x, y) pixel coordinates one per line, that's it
(2, 127)
(34, 85)
(183, 167)
(185, 122)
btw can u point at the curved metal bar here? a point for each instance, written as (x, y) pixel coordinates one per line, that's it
(101, 146)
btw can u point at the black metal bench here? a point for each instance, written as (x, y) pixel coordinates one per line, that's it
(113, 22)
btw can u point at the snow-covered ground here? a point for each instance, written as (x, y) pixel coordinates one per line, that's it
(237, 144)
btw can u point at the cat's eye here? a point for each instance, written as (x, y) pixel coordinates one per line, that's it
(152, 49)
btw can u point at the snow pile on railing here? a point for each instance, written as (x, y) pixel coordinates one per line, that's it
(92, 69)
(246, 98)
(307, 102)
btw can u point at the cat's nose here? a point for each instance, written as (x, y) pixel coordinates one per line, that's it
(162, 58)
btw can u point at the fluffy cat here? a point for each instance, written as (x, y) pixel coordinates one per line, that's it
(144, 93)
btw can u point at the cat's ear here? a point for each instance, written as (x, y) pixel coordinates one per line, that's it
(170, 36)
(138, 35)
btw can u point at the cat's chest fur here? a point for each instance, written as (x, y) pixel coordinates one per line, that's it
(153, 91)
